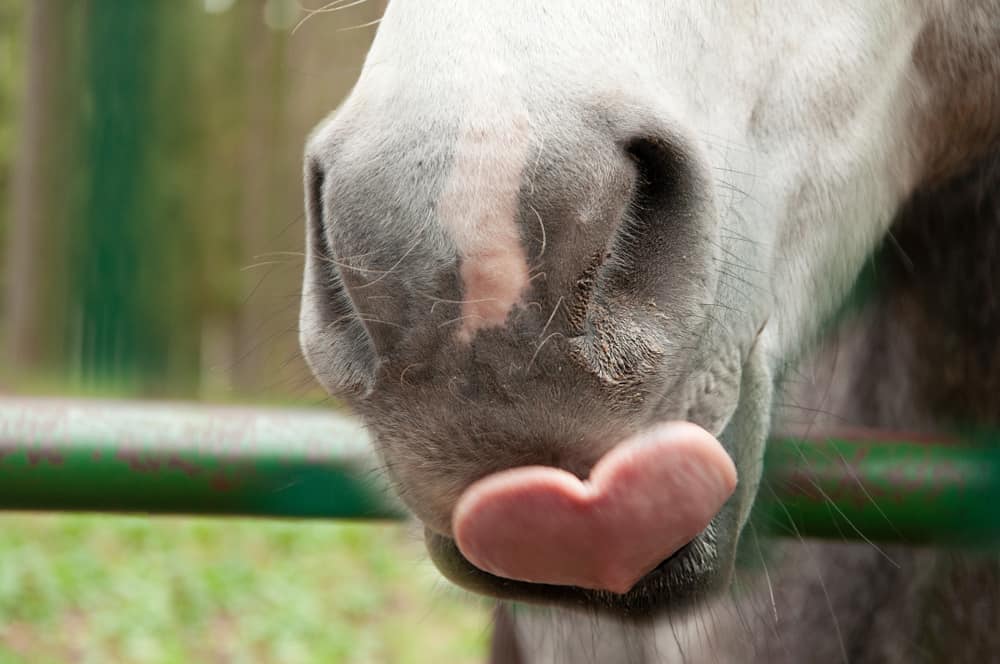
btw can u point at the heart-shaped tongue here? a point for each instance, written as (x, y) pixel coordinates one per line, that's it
(644, 500)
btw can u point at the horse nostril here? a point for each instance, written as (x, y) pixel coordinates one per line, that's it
(660, 243)
(644, 294)
(662, 171)
(380, 275)
(334, 340)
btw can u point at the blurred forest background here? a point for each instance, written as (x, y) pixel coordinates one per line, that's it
(151, 229)
(151, 188)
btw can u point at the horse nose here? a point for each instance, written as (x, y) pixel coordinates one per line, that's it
(421, 240)
(374, 254)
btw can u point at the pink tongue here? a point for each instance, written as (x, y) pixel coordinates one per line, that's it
(645, 499)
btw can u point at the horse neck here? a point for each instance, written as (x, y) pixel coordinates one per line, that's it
(957, 93)
(920, 353)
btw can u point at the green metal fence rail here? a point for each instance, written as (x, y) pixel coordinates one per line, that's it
(159, 458)
(174, 458)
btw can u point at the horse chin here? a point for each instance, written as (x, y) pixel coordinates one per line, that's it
(692, 574)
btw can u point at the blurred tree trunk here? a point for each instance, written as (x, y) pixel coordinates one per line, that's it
(264, 97)
(135, 236)
(300, 78)
(38, 189)
(109, 235)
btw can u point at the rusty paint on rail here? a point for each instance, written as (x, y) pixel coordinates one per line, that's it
(174, 458)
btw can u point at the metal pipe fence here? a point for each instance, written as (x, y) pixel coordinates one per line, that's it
(176, 458)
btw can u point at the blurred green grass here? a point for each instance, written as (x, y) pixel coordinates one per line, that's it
(169, 590)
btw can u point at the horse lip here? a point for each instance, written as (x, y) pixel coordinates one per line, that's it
(446, 556)
(666, 561)
(455, 567)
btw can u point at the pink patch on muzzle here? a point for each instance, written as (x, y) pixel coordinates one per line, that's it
(644, 500)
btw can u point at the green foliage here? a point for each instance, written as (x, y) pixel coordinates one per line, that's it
(130, 590)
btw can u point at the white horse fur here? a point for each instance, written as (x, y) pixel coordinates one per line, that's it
(807, 126)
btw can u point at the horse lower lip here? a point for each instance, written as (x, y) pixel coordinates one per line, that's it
(441, 542)
(673, 556)
(675, 583)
